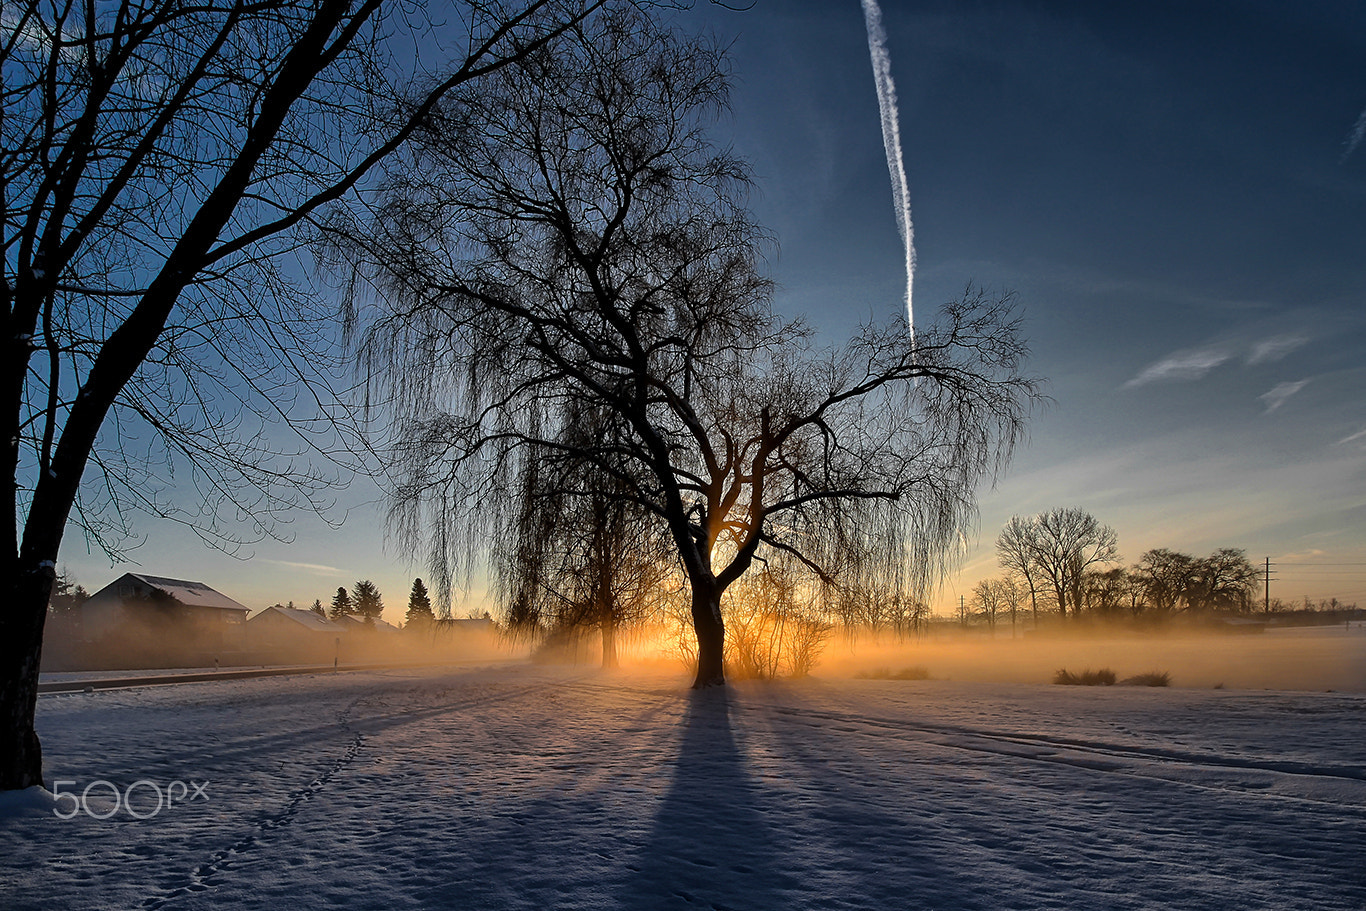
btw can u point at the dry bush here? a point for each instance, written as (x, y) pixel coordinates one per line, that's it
(1088, 677)
(1152, 678)
(885, 673)
(765, 645)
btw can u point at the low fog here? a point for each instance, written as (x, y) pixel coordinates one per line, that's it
(1319, 658)
(1315, 658)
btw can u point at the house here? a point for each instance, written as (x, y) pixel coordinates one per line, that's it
(155, 613)
(289, 634)
(289, 625)
(467, 626)
(356, 623)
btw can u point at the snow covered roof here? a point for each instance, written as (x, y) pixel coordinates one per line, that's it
(467, 623)
(305, 618)
(347, 619)
(193, 594)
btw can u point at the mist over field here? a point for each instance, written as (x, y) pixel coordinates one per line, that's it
(1317, 658)
(1324, 658)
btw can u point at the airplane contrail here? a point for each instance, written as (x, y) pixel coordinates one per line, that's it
(891, 141)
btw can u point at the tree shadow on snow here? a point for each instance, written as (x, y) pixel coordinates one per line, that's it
(710, 845)
(898, 848)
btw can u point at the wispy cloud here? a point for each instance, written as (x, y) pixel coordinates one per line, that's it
(1279, 393)
(315, 568)
(1182, 366)
(1359, 436)
(1194, 363)
(1355, 137)
(1274, 348)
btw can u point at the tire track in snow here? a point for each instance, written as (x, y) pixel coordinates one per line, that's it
(1346, 784)
(1301, 780)
(207, 875)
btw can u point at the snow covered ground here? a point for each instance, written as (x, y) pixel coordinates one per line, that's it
(515, 786)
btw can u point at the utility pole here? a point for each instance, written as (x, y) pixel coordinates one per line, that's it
(1266, 596)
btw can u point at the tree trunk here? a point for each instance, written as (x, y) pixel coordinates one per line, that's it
(711, 635)
(21, 649)
(609, 638)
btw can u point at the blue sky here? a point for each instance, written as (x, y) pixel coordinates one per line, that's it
(1166, 187)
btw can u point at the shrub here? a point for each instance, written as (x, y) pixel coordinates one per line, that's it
(885, 673)
(765, 645)
(1088, 677)
(1152, 678)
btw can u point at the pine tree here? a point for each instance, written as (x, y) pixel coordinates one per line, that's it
(367, 599)
(341, 604)
(66, 594)
(420, 614)
(317, 608)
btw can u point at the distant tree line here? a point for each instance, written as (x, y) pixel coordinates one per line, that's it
(1064, 562)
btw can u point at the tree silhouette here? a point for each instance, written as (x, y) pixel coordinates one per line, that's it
(366, 601)
(1015, 547)
(161, 162)
(1173, 581)
(569, 234)
(1058, 547)
(578, 554)
(341, 604)
(419, 616)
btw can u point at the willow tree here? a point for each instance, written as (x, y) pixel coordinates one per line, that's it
(570, 234)
(573, 552)
(160, 161)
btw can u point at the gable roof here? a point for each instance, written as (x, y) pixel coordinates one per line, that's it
(352, 620)
(193, 594)
(305, 618)
(467, 623)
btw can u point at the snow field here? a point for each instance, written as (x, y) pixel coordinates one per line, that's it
(533, 787)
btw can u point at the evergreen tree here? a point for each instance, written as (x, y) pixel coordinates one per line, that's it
(420, 614)
(66, 594)
(341, 604)
(317, 608)
(368, 603)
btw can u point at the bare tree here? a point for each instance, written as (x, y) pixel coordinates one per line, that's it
(776, 624)
(1015, 553)
(1104, 591)
(992, 597)
(1011, 596)
(161, 162)
(1225, 580)
(599, 250)
(986, 599)
(1166, 577)
(1060, 545)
